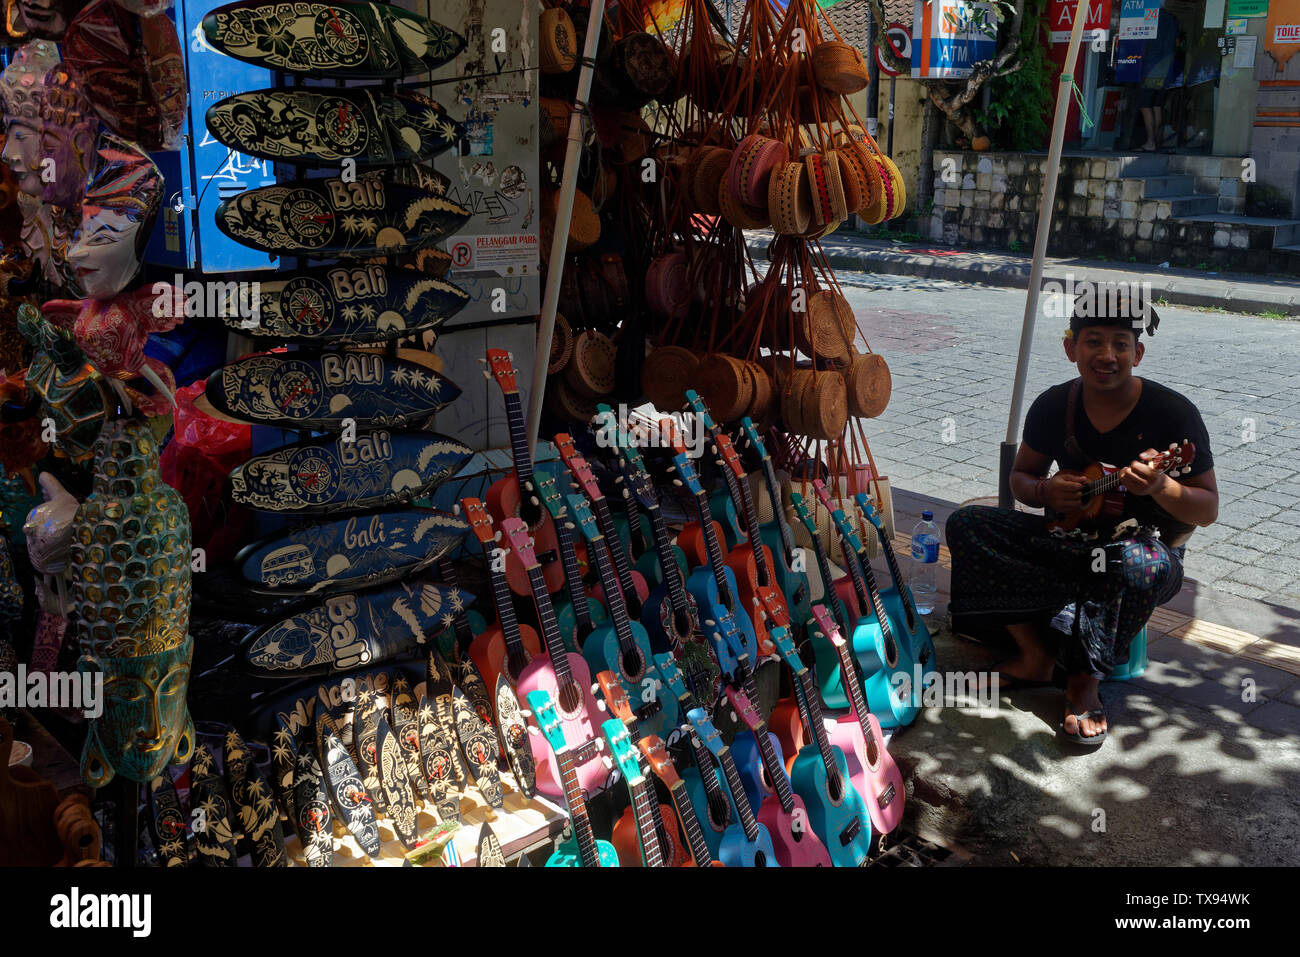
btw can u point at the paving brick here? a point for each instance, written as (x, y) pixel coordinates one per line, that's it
(1276, 717)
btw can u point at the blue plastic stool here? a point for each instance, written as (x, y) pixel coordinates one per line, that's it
(1137, 659)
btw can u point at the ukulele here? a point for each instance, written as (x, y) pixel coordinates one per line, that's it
(780, 810)
(623, 646)
(579, 613)
(661, 763)
(1103, 495)
(779, 539)
(515, 495)
(900, 604)
(691, 538)
(581, 849)
(872, 770)
(566, 679)
(504, 648)
(746, 843)
(633, 586)
(820, 774)
(646, 824)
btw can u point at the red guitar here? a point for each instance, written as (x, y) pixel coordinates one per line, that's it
(503, 648)
(1103, 495)
(656, 755)
(515, 496)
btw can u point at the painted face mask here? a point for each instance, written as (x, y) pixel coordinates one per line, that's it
(48, 19)
(117, 214)
(145, 725)
(23, 94)
(68, 134)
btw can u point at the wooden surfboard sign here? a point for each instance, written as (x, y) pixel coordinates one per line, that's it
(394, 780)
(405, 721)
(365, 739)
(349, 304)
(514, 738)
(329, 217)
(351, 800)
(344, 553)
(167, 822)
(253, 803)
(351, 630)
(340, 38)
(479, 744)
(214, 837)
(323, 127)
(380, 468)
(318, 391)
(436, 750)
(312, 804)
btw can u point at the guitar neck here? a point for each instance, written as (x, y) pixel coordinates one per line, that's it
(897, 575)
(778, 508)
(755, 541)
(810, 704)
(771, 762)
(573, 576)
(613, 593)
(505, 609)
(691, 824)
(577, 810)
(645, 807)
(668, 561)
(849, 672)
(712, 786)
(550, 627)
(737, 788)
(606, 522)
(713, 548)
(829, 597)
(518, 437)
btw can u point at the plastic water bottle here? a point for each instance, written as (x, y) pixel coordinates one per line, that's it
(925, 563)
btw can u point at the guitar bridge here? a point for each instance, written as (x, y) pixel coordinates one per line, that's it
(648, 710)
(588, 751)
(850, 833)
(887, 798)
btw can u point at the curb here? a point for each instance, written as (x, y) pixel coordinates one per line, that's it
(1224, 294)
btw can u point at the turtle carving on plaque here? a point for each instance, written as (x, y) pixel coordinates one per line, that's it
(342, 38)
(326, 474)
(325, 127)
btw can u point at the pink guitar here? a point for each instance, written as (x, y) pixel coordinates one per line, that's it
(872, 770)
(567, 679)
(782, 811)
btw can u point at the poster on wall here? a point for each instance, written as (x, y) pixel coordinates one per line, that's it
(1247, 8)
(1139, 19)
(950, 35)
(1096, 27)
(1282, 32)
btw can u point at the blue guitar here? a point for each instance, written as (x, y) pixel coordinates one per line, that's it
(714, 586)
(745, 843)
(623, 647)
(898, 600)
(581, 849)
(820, 774)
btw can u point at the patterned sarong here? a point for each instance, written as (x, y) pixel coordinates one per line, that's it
(1007, 568)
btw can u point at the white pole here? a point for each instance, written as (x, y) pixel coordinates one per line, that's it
(568, 187)
(1045, 207)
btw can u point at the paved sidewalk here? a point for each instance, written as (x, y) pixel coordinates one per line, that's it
(1201, 767)
(1187, 287)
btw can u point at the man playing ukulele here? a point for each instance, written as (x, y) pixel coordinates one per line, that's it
(1050, 591)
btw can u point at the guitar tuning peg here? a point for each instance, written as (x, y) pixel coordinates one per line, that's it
(607, 762)
(600, 703)
(487, 375)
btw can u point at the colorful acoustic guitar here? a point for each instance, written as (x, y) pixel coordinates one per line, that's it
(515, 496)
(1103, 495)
(646, 825)
(581, 849)
(661, 763)
(623, 646)
(872, 770)
(506, 647)
(633, 585)
(566, 680)
(820, 775)
(723, 501)
(780, 810)
(577, 612)
(746, 843)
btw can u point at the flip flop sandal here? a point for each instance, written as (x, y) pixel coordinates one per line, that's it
(1078, 737)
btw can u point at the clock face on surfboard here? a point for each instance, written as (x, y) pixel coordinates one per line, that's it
(341, 38)
(349, 304)
(364, 216)
(378, 468)
(318, 392)
(325, 127)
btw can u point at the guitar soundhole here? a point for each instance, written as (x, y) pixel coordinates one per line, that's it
(873, 751)
(571, 697)
(891, 652)
(515, 665)
(760, 859)
(633, 665)
(835, 788)
(530, 514)
(682, 625)
(718, 814)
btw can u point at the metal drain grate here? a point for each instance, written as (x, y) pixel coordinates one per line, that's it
(902, 848)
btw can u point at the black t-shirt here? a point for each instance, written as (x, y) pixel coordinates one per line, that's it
(1161, 417)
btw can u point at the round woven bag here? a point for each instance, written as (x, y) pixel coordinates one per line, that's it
(761, 405)
(634, 138)
(825, 406)
(710, 170)
(857, 187)
(591, 370)
(668, 372)
(667, 284)
(737, 213)
(561, 345)
(839, 67)
(876, 205)
(827, 328)
(567, 404)
(789, 200)
(646, 69)
(725, 385)
(791, 400)
(869, 385)
(900, 190)
(584, 227)
(559, 41)
(751, 168)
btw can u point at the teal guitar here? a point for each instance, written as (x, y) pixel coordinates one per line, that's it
(820, 774)
(745, 843)
(581, 849)
(778, 537)
(623, 647)
(899, 602)
(579, 613)
(644, 802)
(828, 677)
